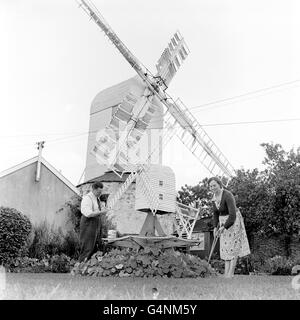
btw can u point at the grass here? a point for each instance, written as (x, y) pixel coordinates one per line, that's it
(36, 286)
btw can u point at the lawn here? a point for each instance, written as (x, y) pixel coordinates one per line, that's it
(35, 286)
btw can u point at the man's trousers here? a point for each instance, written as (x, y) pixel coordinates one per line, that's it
(89, 229)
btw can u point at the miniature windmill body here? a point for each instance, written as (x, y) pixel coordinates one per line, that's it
(117, 145)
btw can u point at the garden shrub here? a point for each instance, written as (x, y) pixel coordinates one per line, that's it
(245, 265)
(14, 233)
(242, 266)
(248, 264)
(280, 265)
(57, 264)
(71, 244)
(218, 265)
(277, 265)
(148, 262)
(73, 210)
(46, 241)
(49, 242)
(252, 263)
(60, 263)
(28, 265)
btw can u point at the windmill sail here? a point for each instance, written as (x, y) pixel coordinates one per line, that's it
(172, 57)
(192, 135)
(133, 114)
(195, 138)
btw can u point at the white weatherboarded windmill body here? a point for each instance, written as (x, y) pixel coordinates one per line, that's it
(104, 106)
(117, 146)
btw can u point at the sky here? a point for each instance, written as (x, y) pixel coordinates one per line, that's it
(54, 60)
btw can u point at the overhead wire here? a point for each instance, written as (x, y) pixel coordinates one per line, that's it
(71, 135)
(247, 94)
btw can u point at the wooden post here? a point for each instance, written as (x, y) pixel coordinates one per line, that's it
(38, 169)
(151, 225)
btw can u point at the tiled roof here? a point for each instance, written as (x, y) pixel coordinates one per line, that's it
(109, 176)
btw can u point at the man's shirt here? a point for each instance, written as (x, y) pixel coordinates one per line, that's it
(89, 204)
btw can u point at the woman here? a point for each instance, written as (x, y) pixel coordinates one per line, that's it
(233, 238)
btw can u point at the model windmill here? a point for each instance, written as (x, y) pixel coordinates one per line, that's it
(117, 145)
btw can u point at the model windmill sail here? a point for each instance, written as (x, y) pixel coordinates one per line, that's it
(141, 168)
(192, 135)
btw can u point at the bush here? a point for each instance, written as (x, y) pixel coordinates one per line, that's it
(218, 265)
(50, 242)
(279, 265)
(46, 241)
(245, 265)
(71, 244)
(14, 232)
(60, 264)
(56, 264)
(74, 214)
(148, 262)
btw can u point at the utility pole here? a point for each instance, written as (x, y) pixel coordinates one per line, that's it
(38, 169)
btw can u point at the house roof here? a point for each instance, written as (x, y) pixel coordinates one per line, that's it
(47, 165)
(108, 176)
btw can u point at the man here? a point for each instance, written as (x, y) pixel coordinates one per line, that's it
(90, 222)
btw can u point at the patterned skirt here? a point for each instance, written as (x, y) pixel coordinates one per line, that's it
(234, 241)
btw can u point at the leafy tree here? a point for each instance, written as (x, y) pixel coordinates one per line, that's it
(190, 195)
(283, 182)
(252, 198)
(197, 196)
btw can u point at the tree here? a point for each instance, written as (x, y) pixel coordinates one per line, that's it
(283, 182)
(197, 196)
(252, 198)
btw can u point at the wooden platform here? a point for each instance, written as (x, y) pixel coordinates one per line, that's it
(138, 241)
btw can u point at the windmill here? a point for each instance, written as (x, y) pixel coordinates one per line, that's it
(132, 118)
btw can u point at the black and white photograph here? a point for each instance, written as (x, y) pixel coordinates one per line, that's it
(150, 154)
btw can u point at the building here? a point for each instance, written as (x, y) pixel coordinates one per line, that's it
(103, 107)
(37, 190)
